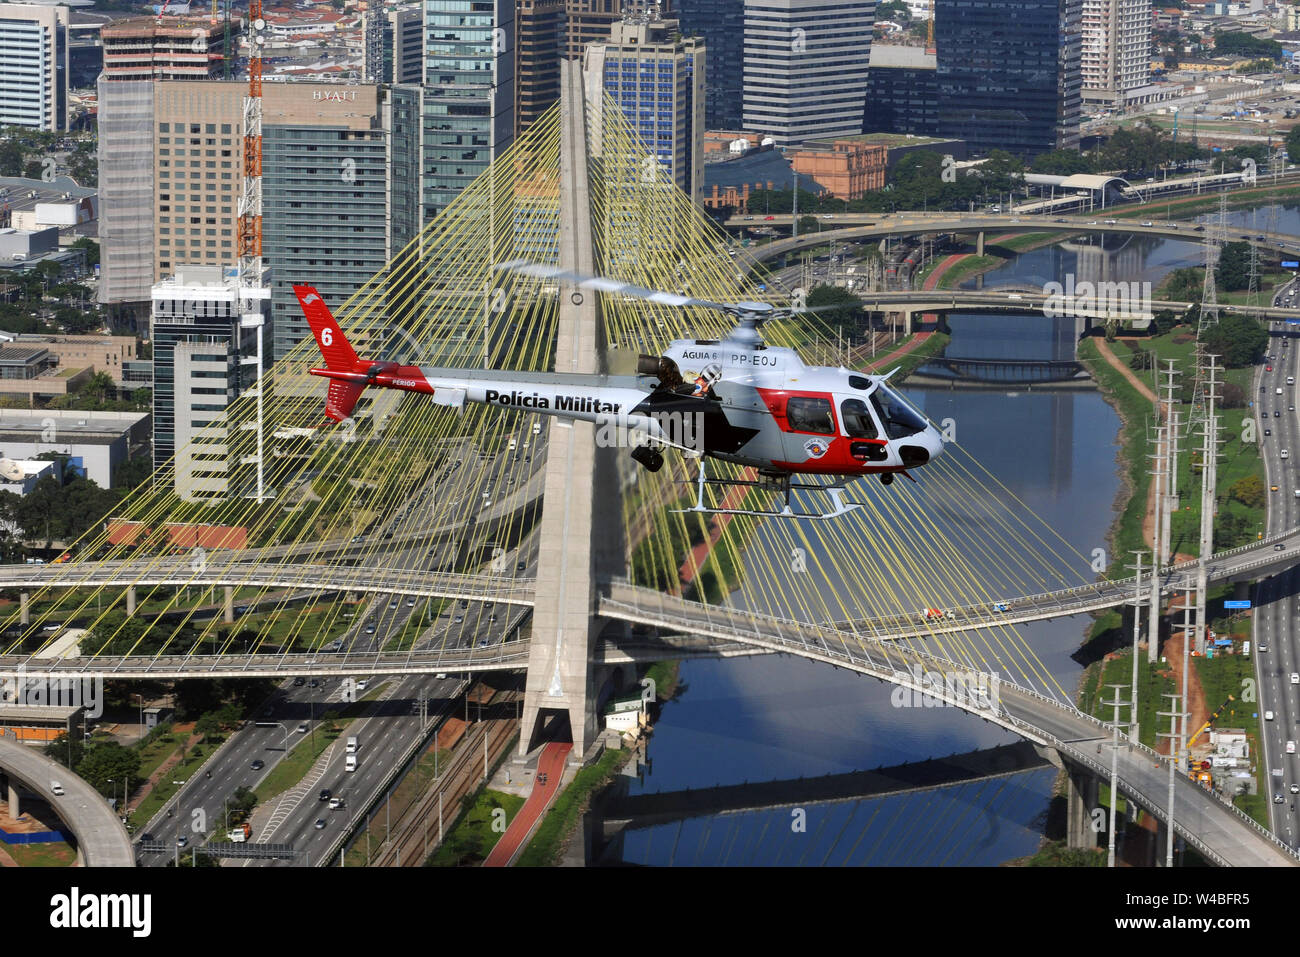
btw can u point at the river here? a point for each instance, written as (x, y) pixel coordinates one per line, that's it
(770, 718)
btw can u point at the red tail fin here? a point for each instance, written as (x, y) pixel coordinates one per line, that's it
(339, 355)
(334, 346)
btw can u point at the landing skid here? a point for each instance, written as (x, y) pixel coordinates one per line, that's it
(784, 485)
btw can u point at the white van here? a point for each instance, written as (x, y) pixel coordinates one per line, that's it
(1277, 391)
(352, 745)
(350, 764)
(1284, 453)
(1290, 747)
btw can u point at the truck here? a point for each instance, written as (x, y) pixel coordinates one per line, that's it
(352, 745)
(240, 834)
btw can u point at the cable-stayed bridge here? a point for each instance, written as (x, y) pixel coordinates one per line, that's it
(576, 189)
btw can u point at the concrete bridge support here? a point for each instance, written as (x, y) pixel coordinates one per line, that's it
(561, 678)
(228, 605)
(14, 809)
(24, 608)
(979, 243)
(130, 599)
(1081, 798)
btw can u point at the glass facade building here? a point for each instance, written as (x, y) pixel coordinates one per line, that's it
(721, 24)
(469, 94)
(806, 65)
(324, 218)
(1009, 73)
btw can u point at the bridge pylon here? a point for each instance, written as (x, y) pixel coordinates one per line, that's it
(562, 681)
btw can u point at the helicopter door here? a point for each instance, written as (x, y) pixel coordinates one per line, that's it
(811, 427)
(865, 438)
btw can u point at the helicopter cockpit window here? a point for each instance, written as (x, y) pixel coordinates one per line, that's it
(858, 423)
(899, 418)
(809, 414)
(859, 382)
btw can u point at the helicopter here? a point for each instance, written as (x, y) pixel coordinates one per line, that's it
(734, 399)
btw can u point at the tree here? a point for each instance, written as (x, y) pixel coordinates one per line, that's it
(1233, 272)
(1185, 284)
(1293, 145)
(1061, 163)
(92, 250)
(1142, 359)
(208, 724)
(107, 765)
(132, 473)
(1164, 320)
(1232, 396)
(1249, 491)
(1238, 43)
(809, 224)
(1238, 340)
(57, 750)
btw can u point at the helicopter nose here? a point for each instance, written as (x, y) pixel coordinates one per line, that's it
(921, 447)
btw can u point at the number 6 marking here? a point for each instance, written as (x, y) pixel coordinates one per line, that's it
(327, 336)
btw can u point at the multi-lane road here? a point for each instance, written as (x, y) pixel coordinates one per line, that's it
(1277, 617)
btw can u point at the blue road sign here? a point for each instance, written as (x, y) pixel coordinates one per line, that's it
(1291, 265)
(1237, 604)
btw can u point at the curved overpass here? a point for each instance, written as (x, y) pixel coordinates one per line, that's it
(101, 839)
(854, 226)
(1244, 562)
(1098, 306)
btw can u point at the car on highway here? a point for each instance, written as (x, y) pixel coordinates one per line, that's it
(482, 642)
(458, 619)
(1268, 368)
(336, 802)
(361, 685)
(56, 787)
(769, 217)
(302, 728)
(521, 566)
(1295, 789)
(1278, 799)
(1268, 715)
(299, 682)
(326, 794)
(1268, 431)
(320, 824)
(1272, 488)
(1295, 678)
(258, 764)
(370, 629)
(1148, 223)
(183, 841)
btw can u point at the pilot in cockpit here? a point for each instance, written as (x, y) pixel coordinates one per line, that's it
(704, 381)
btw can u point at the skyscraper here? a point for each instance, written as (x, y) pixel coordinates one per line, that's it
(1116, 48)
(1009, 73)
(539, 47)
(392, 45)
(34, 66)
(469, 94)
(721, 24)
(657, 78)
(806, 65)
(136, 53)
(902, 92)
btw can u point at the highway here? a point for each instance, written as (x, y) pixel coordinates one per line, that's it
(1277, 617)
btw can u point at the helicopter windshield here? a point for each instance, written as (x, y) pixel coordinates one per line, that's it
(899, 418)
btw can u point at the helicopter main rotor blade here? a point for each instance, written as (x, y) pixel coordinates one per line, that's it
(605, 284)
